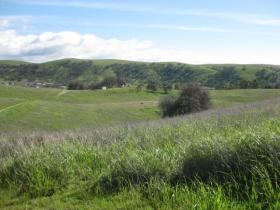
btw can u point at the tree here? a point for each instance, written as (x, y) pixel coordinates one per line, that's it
(167, 87)
(244, 84)
(226, 78)
(192, 98)
(152, 85)
(76, 85)
(109, 81)
(139, 87)
(168, 106)
(254, 84)
(176, 86)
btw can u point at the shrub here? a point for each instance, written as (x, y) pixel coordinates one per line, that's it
(152, 85)
(139, 87)
(108, 82)
(76, 85)
(192, 98)
(95, 86)
(167, 87)
(167, 106)
(176, 86)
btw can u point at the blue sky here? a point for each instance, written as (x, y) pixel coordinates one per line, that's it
(201, 31)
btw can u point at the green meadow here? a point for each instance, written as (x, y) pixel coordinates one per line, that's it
(63, 149)
(29, 109)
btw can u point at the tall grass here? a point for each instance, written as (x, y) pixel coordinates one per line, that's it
(218, 159)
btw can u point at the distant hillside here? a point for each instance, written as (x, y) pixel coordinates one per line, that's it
(219, 76)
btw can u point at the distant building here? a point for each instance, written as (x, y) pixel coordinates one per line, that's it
(11, 83)
(36, 84)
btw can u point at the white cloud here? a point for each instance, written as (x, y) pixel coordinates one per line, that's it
(4, 23)
(23, 22)
(179, 28)
(266, 22)
(50, 46)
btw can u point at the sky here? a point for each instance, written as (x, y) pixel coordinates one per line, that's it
(188, 31)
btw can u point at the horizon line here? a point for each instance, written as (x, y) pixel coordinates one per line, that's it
(136, 61)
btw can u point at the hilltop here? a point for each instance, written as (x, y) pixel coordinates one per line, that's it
(212, 75)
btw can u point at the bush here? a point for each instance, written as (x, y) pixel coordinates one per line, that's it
(168, 106)
(152, 85)
(176, 86)
(108, 82)
(76, 85)
(167, 87)
(139, 87)
(95, 86)
(193, 98)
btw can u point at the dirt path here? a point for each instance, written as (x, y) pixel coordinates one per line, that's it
(62, 93)
(10, 107)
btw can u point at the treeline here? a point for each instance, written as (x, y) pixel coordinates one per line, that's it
(107, 82)
(88, 74)
(228, 78)
(110, 82)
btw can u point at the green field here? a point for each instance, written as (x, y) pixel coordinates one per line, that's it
(63, 149)
(226, 158)
(29, 109)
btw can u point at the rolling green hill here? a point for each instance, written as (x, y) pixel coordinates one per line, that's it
(219, 76)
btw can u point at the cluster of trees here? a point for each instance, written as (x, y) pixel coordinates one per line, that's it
(153, 85)
(192, 98)
(229, 78)
(168, 76)
(267, 79)
(77, 85)
(108, 82)
(151, 75)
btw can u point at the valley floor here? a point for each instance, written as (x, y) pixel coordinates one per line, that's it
(225, 158)
(30, 109)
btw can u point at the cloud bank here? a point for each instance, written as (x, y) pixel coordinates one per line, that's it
(66, 44)
(4, 23)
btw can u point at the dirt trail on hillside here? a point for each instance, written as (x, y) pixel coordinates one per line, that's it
(10, 107)
(62, 93)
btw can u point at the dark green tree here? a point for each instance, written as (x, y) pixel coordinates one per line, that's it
(152, 85)
(167, 87)
(192, 98)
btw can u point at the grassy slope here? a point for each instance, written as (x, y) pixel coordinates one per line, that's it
(12, 62)
(230, 150)
(54, 109)
(101, 62)
(50, 109)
